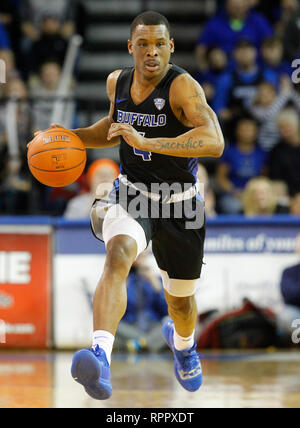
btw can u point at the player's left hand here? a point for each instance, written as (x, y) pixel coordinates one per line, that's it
(130, 135)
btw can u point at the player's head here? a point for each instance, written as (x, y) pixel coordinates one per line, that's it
(150, 43)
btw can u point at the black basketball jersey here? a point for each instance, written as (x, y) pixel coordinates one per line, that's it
(153, 118)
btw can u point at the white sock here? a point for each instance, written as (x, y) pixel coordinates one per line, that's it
(105, 340)
(181, 343)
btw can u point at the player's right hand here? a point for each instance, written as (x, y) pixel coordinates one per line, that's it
(53, 125)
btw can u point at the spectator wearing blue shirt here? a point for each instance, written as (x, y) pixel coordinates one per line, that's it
(4, 38)
(272, 59)
(9, 18)
(217, 65)
(146, 305)
(239, 163)
(140, 327)
(290, 291)
(236, 88)
(236, 22)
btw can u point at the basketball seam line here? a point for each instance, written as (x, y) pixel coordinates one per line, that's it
(67, 131)
(62, 170)
(57, 148)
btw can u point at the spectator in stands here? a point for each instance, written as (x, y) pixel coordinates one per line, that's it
(15, 182)
(281, 191)
(45, 92)
(259, 198)
(236, 88)
(34, 11)
(265, 108)
(10, 20)
(206, 191)
(140, 328)
(51, 44)
(225, 29)
(4, 38)
(272, 57)
(284, 161)
(8, 57)
(288, 29)
(217, 64)
(290, 291)
(99, 172)
(295, 204)
(16, 89)
(291, 37)
(239, 163)
(269, 8)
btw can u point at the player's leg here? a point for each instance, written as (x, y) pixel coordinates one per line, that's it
(183, 312)
(125, 240)
(179, 332)
(110, 298)
(179, 252)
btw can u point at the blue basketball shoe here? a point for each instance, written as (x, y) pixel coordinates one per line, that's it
(91, 369)
(187, 365)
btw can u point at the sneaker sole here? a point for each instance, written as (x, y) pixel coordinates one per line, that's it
(88, 374)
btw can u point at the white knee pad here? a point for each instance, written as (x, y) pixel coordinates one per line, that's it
(117, 221)
(179, 287)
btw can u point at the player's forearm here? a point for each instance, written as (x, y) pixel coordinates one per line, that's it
(95, 136)
(202, 141)
(199, 142)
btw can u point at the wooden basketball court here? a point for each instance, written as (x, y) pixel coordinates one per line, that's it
(231, 379)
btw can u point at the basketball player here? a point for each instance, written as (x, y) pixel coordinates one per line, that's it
(159, 116)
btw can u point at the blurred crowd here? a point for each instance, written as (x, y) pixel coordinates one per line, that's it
(34, 37)
(246, 59)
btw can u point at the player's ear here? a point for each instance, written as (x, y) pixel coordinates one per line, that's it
(129, 44)
(172, 45)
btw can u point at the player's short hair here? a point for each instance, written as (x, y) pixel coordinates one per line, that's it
(149, 18)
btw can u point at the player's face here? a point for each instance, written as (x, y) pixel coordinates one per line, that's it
(151, 48)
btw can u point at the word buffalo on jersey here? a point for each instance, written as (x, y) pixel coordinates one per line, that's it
(141, 119)
(152, 118)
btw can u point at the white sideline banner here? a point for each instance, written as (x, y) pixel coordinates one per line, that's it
(226, 280)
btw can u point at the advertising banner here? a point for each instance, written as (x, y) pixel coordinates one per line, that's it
(242, 260)
(25, 286)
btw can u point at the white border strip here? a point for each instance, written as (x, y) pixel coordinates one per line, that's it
(25, 229)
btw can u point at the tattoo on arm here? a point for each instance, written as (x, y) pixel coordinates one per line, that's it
(196, 95)
(185, 145)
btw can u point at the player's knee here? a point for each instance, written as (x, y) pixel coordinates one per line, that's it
(182, 306)
(121, 253)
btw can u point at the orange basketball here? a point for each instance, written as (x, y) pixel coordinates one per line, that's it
(56, 157)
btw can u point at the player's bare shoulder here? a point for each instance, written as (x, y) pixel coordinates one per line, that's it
(111, 84)
(184, 88)
(187, 96)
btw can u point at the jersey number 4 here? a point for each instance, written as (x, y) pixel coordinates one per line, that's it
(145, 155)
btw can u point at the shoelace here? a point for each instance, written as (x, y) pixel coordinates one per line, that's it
(190, 362)
(95, 350)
